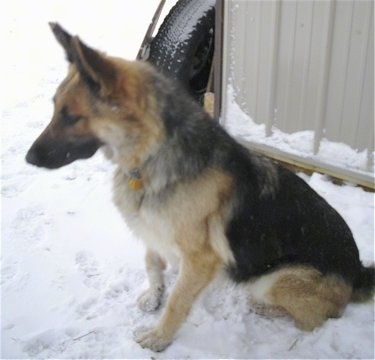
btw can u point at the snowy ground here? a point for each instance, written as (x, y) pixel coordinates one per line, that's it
(71, 271)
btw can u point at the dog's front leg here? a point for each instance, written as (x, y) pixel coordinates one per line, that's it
(150, 300)
(196, 271)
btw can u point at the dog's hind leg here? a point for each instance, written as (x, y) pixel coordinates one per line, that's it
(308, 296)
(197, 269)
(150, 300)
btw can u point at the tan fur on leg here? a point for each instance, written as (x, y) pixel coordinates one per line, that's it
(197, 270)
(308, 296)
(150, 300)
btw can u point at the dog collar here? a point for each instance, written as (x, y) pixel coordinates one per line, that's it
(135, 180)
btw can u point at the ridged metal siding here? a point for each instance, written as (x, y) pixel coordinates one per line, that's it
(304, 65)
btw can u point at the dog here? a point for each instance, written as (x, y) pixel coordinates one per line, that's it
(198, 198)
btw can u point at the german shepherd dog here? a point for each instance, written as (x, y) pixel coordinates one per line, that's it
(193, 193)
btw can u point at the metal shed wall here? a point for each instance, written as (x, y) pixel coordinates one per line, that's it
(305, 65)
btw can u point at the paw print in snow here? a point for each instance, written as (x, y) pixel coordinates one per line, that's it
(89, 268)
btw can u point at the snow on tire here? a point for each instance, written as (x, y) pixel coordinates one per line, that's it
(183, 47)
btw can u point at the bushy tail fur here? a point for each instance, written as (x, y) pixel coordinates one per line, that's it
(364, 285)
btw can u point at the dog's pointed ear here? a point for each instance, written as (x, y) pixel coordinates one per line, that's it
(95, 68)
(64, 39)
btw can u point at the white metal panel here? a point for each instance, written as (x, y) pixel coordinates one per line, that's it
(304, 65)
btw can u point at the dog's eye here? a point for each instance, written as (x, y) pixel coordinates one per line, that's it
(69, 119)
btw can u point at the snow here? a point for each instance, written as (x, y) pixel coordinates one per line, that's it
(300, 143)
(71, 271)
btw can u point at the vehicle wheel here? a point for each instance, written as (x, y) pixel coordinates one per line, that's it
(184, 45)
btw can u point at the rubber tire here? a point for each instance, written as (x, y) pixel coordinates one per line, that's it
(184, 45)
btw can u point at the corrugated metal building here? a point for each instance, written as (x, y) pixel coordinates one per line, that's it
(304, 65)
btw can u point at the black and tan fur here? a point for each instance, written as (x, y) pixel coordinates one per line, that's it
(201, 199)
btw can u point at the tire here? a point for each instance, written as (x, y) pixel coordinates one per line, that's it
(184, 45)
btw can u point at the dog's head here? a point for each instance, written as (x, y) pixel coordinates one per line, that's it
(102, 101)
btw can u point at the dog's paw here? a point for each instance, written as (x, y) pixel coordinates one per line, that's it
(151, 338)
(266, 310)
(150, 300)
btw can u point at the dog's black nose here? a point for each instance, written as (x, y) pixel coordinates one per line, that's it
(31, 157)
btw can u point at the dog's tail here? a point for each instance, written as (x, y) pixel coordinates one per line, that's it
(364, 285)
